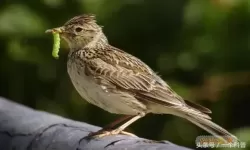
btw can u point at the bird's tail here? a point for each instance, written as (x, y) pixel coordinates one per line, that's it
(206, 124)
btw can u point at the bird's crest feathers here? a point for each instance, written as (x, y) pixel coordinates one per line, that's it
(81, 19)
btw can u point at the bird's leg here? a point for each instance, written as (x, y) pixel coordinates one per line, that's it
(117, 121)
(111, 125)
(120, 129)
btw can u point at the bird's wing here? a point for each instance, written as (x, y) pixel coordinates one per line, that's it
(126, 72)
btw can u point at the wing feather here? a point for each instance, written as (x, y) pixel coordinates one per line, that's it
(127, 72)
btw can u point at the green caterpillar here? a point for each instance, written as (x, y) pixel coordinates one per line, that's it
(56, 45)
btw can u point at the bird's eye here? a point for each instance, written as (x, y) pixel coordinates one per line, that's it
(78, 29)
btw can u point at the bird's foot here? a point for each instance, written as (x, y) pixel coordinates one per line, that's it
(103, 133)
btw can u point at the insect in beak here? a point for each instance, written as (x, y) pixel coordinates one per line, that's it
(56, 35)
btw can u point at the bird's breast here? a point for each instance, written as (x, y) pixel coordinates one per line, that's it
(94, 93)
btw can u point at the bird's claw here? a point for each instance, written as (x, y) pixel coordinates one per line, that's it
(103, 133)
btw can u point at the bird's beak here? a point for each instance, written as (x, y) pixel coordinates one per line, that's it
(55, 30)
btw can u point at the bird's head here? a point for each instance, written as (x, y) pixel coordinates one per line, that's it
(81, 31)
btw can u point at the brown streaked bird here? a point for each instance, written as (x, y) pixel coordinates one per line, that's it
(120, 83)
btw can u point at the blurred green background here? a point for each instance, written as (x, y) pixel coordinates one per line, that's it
(200, 47)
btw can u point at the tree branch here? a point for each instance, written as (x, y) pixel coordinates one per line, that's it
(23, 128)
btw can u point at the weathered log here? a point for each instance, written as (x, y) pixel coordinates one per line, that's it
(22, 128)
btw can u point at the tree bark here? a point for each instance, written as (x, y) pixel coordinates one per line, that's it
(22, 128)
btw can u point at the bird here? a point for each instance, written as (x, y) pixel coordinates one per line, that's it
(121, 83)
